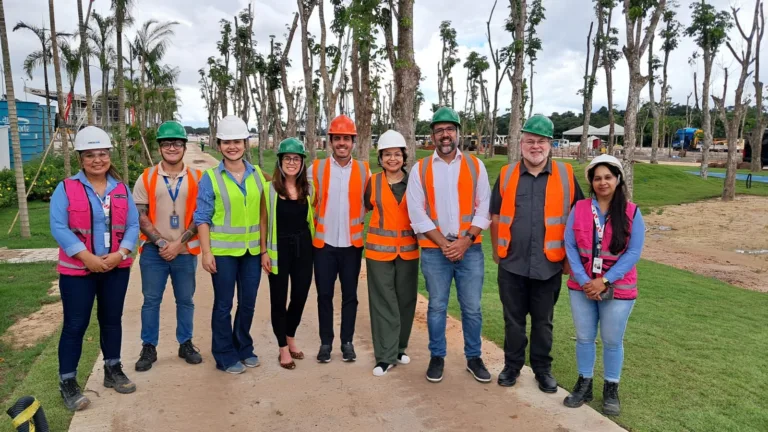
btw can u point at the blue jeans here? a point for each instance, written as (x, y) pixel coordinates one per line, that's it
(612, 316)
(77, 296)
(232, 342)
(154, 277)
(468, 273)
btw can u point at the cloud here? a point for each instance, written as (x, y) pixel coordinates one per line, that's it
(558, 74)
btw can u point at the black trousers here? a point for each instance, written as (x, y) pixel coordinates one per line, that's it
(294, 254)
(330, 263)
(521, 296)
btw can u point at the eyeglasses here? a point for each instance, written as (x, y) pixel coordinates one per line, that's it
(294, 160)
(91, 156)
(441, 131)
(173, 144)
(540, 143)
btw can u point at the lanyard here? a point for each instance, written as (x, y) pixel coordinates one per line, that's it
(171, 193)
(599, 229)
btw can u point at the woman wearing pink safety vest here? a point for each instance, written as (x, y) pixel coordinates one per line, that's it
(96, 224)
(603, 241)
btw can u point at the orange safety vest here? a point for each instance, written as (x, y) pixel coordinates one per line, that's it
(149, 178)
(321, 179)
(557, 206)
(470, 169)
(389, 234)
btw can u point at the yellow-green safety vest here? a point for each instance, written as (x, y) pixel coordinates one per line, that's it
(272, 222)
(235, 227)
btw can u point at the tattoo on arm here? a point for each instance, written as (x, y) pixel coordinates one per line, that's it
(189, 233)
(146, 226)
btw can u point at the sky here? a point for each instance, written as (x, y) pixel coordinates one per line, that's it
(558, 73)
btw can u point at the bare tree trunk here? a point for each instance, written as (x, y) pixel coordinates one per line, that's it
(654, 108)
(59, 90)
(305, 12)
(589, 82)
(362, 97)
(519, 17)
(13, 121)
(607, 66)
(50, 133)
(105, 99)
(760, 121)
(86, 67)
(120, 78)
(290, 125)
(706, 113)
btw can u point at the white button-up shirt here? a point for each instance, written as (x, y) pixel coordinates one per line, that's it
(446, 179)
(337, 207)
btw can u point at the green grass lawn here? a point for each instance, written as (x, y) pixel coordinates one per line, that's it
(694, 351)
(38, 223)
(34, 371)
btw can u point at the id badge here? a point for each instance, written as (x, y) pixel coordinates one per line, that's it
(107, 238)
(174, 221)
(597, 265)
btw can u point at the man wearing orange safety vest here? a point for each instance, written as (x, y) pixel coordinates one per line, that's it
(448, 197)
(339, 183)
(530, 204)
(166, 197)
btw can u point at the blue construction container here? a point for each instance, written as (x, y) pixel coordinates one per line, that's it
(33, 127)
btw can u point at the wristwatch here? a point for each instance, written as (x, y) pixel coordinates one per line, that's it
(472, 237)
(124, 256)
(161, 243)
(606, 282)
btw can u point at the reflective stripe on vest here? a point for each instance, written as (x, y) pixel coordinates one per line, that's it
(389, 233)
(468, 173)
(235, 227)
(356, 188)
(271, 234)
(80, 216)
(150, 179)
(557, 205)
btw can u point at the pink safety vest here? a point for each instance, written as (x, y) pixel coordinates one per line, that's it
(584, 231)
(81, 219)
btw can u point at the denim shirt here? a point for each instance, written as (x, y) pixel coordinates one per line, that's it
(206, 197)
(626, 261)
(59, 219)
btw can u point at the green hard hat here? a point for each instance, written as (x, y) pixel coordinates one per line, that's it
(171, 130)
(291, 145)
(445, 115)
(539, 125)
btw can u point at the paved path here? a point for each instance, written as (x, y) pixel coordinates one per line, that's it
(18, 256)
(174, 396)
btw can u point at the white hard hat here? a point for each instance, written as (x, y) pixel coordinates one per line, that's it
(391, 139)
(603, 159)
(232, 128)
(92, 138)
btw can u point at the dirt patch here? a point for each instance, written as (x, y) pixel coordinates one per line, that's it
(30, 330)
(713, 238)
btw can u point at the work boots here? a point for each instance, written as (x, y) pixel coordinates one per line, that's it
(611, 404)
(116, 379)
(582, 392)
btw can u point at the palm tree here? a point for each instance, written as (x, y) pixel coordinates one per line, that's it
(152, 40)
(122, 10)
(101, 35)
(60, 94)
(21, 191)
(86, 69)
(72, 62)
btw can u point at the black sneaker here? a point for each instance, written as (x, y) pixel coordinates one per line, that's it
(324, 356)
(190, 353)
(116, 379)
(146, 358)
(476, 367)
(435, 369)
(611, 404)
(348, 352)
(508, 376)
(72, 395)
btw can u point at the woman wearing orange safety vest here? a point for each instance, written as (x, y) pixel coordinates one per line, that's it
(95, 222)
(391, 256)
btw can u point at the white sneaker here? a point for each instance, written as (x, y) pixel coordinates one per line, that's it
(381, 369)
(403, 358)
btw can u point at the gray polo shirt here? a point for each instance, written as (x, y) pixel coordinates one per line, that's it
(525, 256)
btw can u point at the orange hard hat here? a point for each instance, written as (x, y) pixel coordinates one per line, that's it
(342, 125)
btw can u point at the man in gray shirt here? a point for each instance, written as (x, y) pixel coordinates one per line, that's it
(529, 206)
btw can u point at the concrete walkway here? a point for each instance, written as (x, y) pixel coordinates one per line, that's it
(24, 256)
(174, 396)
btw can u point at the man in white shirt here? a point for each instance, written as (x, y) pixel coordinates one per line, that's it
(339, 183)
(448, 199)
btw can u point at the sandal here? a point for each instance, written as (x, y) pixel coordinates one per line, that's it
(297, 355)
(289, 366)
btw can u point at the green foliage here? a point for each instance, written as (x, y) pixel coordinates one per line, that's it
(709, 28)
